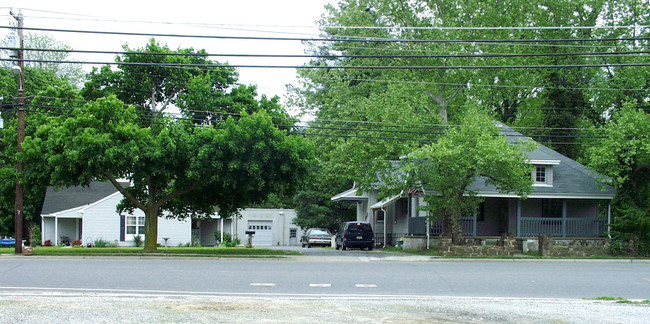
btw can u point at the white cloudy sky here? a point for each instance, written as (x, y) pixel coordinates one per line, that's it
(273, 18)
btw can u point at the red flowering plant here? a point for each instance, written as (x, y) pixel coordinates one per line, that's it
(76, 243)
(47, 243)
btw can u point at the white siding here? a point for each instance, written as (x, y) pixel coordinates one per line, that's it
(48, 230)
(101, 221)
(178, 231)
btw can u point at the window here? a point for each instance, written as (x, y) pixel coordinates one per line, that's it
(134, 225)
(543, 175)
(540, 174)
(293, 232)
(551, 208)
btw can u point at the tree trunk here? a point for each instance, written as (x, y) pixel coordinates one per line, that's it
(151, 229)
(452, 227)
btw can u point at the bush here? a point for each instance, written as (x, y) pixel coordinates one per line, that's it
(100, 243)
(47, 243)
(228, 241)
(137, 240)
(76, 243)
(35, 237)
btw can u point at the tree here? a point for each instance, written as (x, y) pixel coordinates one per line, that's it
(445, 169)
(47, 95)
(173, 165)
(43, 53)
(624, 157)
(313, 205)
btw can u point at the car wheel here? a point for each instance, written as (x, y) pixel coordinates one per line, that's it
(369, 247)
(308, 246)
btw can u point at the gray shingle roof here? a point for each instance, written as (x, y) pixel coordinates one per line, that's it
(77, 196)
(569, 176)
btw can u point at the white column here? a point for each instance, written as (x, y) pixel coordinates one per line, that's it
(56, 231)
(221, 226)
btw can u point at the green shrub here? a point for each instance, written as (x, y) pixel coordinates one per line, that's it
(100, 243)
(228, 241)
(137, 240)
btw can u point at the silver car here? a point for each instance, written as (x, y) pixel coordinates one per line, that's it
(316, 236)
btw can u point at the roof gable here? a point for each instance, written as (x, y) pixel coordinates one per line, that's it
(77, 196)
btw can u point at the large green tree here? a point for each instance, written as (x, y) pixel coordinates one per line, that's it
(624, 156)
(465, 153)
(172, 165)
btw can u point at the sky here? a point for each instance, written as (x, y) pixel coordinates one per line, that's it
(276, 18)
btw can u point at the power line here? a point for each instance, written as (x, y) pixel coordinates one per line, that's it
(357, 67)
(348, 39)
(338, 56)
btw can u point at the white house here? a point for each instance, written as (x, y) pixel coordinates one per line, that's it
(89, 214)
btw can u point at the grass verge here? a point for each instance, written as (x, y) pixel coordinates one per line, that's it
(169, 251)
(621, 300)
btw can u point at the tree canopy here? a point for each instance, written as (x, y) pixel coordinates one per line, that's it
(227, 167)
(444, 170)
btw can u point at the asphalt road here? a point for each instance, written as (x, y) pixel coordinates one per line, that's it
(357, 273)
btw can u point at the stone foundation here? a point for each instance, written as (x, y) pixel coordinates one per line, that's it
(479, 247)
(544, 245)
(576, 247)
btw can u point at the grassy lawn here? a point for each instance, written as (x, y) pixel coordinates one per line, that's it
(169, 251)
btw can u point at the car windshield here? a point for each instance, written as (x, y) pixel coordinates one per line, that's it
(319, 232)
(359, 227)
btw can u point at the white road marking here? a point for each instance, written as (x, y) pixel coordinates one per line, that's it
(365, 286)
(262, 284)
(320, 285)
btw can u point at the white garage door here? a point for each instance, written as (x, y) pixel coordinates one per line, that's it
(263, 232)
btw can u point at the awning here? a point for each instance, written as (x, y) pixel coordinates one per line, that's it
(385, 202)
(350, 195)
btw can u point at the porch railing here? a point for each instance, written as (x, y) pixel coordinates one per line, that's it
(574, 227)
(466, 223)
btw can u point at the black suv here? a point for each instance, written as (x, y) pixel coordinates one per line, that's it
(355, 234)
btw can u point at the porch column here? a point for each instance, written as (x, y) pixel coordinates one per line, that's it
(563, 217)
(474, 224)
(385, 221)
(56, 231)
(221, 230)
(609, 219)
(42, 230)
(518, 217)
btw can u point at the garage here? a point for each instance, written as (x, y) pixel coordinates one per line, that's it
(263, 232)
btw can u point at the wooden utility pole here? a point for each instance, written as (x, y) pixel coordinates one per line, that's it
(21, 137)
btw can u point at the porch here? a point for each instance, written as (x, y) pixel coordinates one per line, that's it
(61, 230)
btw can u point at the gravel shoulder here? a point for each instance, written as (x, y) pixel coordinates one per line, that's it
(115, 308)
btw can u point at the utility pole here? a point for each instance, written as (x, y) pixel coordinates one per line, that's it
(21, 136)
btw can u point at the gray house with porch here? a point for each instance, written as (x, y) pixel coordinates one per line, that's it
(567, 201)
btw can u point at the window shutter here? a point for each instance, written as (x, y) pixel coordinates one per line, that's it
(122, 227)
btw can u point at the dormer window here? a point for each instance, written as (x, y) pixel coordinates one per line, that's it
(543, 172)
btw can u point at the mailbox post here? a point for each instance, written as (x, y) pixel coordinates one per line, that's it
(249, 243)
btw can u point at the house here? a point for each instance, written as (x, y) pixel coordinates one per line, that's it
(90, 213)
(567, 201)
